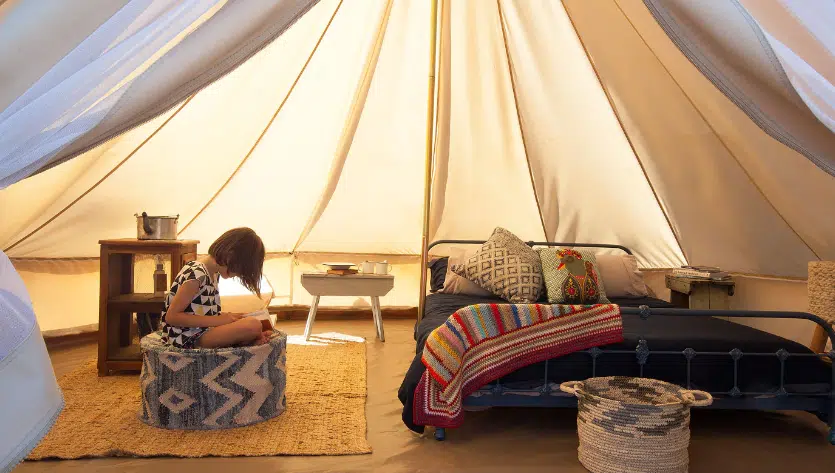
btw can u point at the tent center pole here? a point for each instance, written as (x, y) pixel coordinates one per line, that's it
(430, 121)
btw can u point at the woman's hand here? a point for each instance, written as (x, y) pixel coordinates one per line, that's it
(229, 317)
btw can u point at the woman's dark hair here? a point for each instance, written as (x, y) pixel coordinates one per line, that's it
(242, 252)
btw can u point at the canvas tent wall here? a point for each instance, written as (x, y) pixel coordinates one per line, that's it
(619, 121)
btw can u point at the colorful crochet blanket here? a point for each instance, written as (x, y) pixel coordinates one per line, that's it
(481, 343)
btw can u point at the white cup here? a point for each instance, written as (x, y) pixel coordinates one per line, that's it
(381, 268)
(368, 267)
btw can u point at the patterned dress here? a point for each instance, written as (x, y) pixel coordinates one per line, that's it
(206, 302)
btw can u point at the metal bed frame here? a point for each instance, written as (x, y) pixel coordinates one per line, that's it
(544, 395)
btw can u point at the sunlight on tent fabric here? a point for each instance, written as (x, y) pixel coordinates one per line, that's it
(322, 339)
(291, 164)
(588, 142)
(380, 189)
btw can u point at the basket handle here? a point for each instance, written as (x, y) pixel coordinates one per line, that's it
(572, 387)
(692, 398)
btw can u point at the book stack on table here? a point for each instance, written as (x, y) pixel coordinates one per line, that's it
(701, 272)
(343, 272)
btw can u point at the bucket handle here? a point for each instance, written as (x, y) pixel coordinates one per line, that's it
(697, 398)
(572, 387)
(146, 225)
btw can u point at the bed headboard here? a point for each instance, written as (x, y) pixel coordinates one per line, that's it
(535, 243)
(423, 269)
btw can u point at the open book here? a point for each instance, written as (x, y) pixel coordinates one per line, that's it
(260, 314)
(264, 316)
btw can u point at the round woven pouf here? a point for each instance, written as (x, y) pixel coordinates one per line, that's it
(633, 425)
(206, 389)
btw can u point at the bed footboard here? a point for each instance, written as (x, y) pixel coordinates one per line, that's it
(546, 395)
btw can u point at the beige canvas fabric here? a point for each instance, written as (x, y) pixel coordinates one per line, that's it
(569, 121)
(719, 203)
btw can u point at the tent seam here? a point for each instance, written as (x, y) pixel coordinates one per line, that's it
(727, 86)
(510, 71)
(368, 74)
(94, 186)
(626, 135)
(716, 134)
(269, 123)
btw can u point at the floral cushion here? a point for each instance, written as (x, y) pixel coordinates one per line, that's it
(571, 276)
(506, 266)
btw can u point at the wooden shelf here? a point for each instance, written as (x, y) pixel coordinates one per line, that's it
(118, 349)
(136, 302)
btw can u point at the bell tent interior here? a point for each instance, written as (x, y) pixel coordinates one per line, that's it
(574, 121)
(689, 132)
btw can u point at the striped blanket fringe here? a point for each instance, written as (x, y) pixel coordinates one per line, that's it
(481, 343)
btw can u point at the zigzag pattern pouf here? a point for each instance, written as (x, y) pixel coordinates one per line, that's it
(206, 389)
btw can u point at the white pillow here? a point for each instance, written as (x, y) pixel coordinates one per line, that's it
(620, 275)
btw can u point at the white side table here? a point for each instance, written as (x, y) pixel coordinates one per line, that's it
(323, 284)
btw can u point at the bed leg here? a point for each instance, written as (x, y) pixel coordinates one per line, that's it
(831, 416)
(440, 434)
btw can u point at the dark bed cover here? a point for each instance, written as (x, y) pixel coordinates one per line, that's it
(703, 334)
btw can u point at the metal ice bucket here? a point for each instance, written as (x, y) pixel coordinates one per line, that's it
(156, 227)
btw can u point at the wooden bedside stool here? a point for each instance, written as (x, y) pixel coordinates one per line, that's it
(372, 285)
(694, 293)
(118, 302)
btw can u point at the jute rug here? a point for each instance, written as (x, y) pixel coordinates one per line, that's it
(326, 391)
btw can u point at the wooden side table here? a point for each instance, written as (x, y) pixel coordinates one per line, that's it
(692, 293)
(118, 302)
(323, 284)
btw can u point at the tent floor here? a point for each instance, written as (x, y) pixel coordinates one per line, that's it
(495, 440)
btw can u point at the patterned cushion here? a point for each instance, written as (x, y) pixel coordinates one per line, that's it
(455, 284)
(505, 266)
(571, 276)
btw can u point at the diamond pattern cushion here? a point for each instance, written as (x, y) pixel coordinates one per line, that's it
(571, 276)
(505, 266)
(455, 284)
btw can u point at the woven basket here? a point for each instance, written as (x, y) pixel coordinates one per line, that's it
(634, 425)
(821, 287)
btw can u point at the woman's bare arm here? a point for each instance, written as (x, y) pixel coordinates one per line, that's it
(185, 294)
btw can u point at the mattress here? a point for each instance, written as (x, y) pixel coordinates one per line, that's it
(713, 373)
